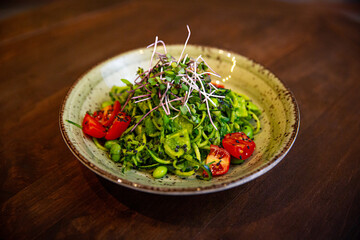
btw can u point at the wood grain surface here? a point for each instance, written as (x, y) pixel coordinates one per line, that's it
(314, 193)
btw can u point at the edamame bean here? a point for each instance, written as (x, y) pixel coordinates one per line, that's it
(115, 149)
(248, 131)
(115, 157)
(160, 171)
(109, 143)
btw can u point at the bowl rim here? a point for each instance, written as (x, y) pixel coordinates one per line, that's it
(272, 162)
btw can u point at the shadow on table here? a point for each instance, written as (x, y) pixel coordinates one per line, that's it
(244, 203)
(193, 210)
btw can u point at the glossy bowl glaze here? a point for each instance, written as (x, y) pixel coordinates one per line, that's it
(280, 118)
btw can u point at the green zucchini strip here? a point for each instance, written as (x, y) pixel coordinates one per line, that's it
(156, 158)
(98, 145)
(257, 122)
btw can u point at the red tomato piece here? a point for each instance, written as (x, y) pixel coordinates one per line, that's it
(218, 85)
(107, 115)
(92, 127)
(120, 124)
(239, 145)
(98, 115)
(221, 160)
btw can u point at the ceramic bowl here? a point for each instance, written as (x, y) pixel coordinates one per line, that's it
(279, 119)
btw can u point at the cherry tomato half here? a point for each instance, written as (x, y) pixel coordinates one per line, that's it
(218, 85)
(119, 125)
(239, 145)
(221, 160)
(92, 127)
(107, 115)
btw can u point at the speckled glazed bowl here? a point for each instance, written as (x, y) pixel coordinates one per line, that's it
(279, 119)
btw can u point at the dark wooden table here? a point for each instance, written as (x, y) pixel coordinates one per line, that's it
(314, 193)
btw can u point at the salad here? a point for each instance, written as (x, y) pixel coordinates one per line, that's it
(174, 119)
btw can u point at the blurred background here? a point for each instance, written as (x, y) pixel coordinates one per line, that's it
(12, 7)
(312, 45)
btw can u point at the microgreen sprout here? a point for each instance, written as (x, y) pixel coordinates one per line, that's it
(175, 81)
